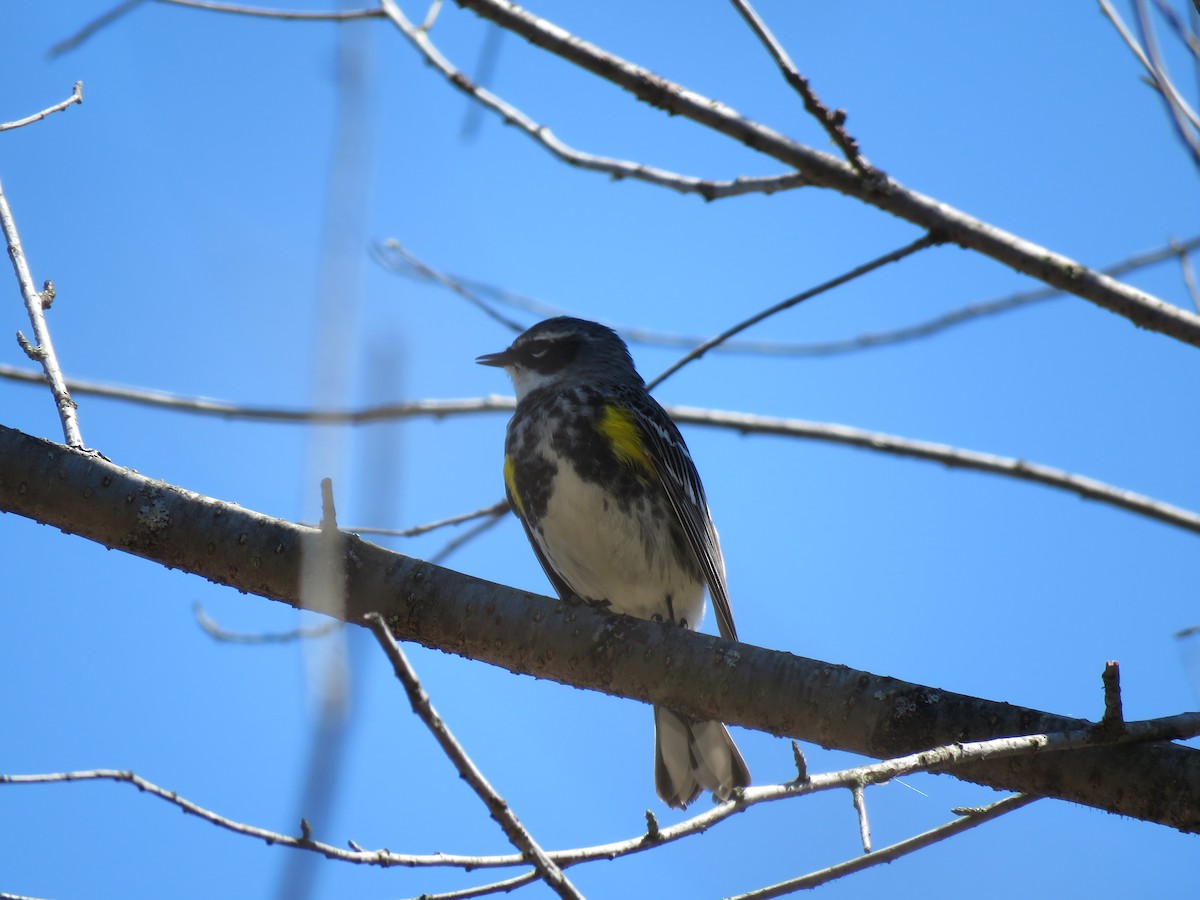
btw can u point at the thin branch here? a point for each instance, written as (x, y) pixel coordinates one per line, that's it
(921, 243)
(467, 770)
(495, 887)
(283, 14)
(215, 631)
(1183, 117)
(92, 27)
(989, 308)
(495, 509)
(457, 543)
(942, 759)
(823, 170)
(36, 303)
(745, 423)
(1131, 42)
(397, 258)
(205, 406)
(954, 457)
(860, 807)
(617, 168)
(433, 275)
(117, 12)
(1189, 275)
(833, 122)
(892, 852)
(1189, 39)
(76, 97)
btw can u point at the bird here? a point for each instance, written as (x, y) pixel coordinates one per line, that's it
(611, 502)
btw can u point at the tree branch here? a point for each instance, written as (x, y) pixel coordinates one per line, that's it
(517, 834)
(76, 97)
(834, 122)
(36, 303)
(701, 676)
(823, 170)
(745, 423)
(402, 261)
(968, 819)
(617, 168)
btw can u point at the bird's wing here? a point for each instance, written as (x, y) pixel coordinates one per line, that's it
(678, 476)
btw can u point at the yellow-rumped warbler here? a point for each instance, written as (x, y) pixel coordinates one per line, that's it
(611, 502)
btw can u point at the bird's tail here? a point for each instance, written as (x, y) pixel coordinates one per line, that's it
(690, 755)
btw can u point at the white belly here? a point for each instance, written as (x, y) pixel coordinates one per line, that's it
(603, 554)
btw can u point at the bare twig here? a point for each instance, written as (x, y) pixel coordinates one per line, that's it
(35, 305)
(457, 543)
(467, 770)
(968, 820)
(939, 759)
(1183, 117)
(204, 406)
(617, 168)
(857, 272)
(494, 509)
(821, 169)
(1189, 274)
(746, 423)
(483, 890)
(76, 97)
(451, 284)
(860, 807)
(833, 121)
(954, 457)
(402, 261)
(1140, 52)
(284, 14)
(101, 21)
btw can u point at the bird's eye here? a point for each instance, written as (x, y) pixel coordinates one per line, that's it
(538, 350)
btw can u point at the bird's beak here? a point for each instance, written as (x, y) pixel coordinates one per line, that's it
(499, 360)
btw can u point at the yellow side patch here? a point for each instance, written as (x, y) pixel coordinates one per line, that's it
(619, 426)
(510, 482)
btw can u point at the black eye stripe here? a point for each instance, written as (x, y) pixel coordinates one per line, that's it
(549, 354)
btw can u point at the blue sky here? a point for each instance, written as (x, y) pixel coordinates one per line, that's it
(180, 212)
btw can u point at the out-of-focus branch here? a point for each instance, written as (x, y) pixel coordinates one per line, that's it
(117, 12)
(402, 261)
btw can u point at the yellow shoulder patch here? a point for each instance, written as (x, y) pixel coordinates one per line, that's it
(510, 482)
(619, 426)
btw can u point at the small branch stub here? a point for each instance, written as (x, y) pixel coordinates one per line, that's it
(1113, 722)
